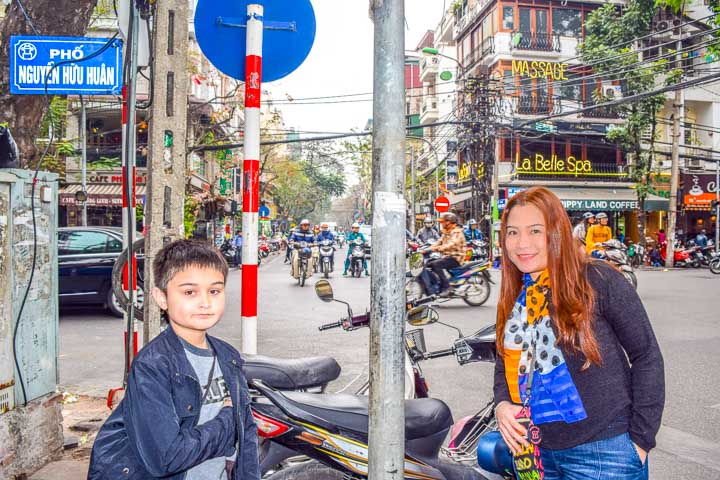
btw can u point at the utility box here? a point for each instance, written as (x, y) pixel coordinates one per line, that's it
(30, 415)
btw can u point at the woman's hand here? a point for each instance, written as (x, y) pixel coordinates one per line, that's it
(511, 430)
(641, 453)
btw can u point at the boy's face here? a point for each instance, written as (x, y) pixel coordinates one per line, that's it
(194, 300)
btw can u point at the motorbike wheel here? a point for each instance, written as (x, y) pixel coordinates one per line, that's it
(715, 266)
(264, 253)
(630, 277)
(695, 263)
(414, 290)
(307, 471)
(302, 277)
(326, 270)
(478, 291)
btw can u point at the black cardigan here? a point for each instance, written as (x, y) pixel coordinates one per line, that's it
(618, 396)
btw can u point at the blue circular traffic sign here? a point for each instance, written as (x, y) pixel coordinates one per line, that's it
(288, 35)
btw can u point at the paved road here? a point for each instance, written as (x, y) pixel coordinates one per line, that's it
(683, 306)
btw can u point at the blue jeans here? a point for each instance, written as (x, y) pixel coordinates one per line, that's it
(612, 458)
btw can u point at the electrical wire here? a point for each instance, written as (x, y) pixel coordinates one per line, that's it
(27, 17)
(32, 203)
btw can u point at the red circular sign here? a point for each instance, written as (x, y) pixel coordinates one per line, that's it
(442, 204)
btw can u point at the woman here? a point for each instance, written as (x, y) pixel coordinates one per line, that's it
(571, 321)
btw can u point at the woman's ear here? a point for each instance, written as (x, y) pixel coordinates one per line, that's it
(160, 298)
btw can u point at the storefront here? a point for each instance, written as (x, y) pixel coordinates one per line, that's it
(104, 198)
(698, 192)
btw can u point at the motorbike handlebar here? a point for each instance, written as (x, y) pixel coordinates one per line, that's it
(421, 301)
(329, 326)
(440, 353)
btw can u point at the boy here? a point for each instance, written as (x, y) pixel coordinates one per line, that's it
(186, 412)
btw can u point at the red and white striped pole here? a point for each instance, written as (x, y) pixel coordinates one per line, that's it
(251, 178)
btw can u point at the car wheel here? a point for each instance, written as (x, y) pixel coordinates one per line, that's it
(116, 309)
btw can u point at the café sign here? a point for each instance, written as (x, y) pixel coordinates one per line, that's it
(700, 190)
(600, 205)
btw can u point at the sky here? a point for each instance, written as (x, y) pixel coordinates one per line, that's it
(341, 63)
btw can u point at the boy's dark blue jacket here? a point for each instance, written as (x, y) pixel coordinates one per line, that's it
(153, 432)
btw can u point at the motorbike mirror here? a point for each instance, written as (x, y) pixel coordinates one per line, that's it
(421, 316)
(324, 290)
(417, 262)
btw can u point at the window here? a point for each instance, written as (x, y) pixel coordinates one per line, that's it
(508, 22)
(567, 22)
(82, 243)
(509, 82)
(114, 245)
(572, 88)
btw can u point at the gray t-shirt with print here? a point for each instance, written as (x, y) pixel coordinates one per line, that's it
(201, 361)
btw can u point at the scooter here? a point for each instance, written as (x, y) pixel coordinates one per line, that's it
(357, 255)
(330, 431)
(304, 256)
(263, 250)
(228, 251)
(477, 250)
(681, 257)
(614, 251)
(327, 257)
(469, 282)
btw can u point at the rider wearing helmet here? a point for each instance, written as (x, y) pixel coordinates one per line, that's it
(598, 233)
(452, 246)
(428, 234)
(326, 234)
(354, 234)
(473, 232)
(580, 230)
(302, 234)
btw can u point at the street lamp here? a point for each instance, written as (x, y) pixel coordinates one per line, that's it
(436, 52)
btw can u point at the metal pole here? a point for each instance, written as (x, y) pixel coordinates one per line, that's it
(437, 175)
(412, 190)
(387, 382)
(130, 276)
(251, 186)
(675, 169)
(83, 142)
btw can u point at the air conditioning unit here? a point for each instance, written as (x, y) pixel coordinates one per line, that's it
(694, 163)
(611, 91)
(667, 29)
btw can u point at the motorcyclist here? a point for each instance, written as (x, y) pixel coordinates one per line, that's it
(452, 246)
(326, 234)
(473, 232)
(598, 233)
(428, 234)
(354, 234)
(701, 239)
(302, 234)
(580, 230)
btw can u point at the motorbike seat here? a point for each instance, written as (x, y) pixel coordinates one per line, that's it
(467, 266)
(293, 374)
(423, 416)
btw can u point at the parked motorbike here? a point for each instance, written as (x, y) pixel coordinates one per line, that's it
(477, 250)
(304, 250)
(327, 257)
(616, 252)
(681, 256)
(357, 254)
(228, 251)
(715, 265)
(637, 255)
(469, 282)
(263, 250)
(330, 431)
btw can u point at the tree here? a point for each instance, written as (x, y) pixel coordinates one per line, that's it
(359, 150)
(24, 113)
(609, 46)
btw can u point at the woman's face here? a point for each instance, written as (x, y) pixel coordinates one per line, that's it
(526, 239)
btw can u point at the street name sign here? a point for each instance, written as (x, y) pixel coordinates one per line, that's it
(32, 59)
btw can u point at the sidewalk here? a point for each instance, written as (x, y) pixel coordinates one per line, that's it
(82, 418)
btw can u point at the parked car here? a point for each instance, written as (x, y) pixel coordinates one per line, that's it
(86, 256)
(366, 230)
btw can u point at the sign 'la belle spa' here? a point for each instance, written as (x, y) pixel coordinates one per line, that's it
(538, 164)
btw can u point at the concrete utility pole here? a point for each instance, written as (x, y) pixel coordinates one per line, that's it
(412, 190)
(717, 205)
(387, 378)
(165, 199)
(675, 167)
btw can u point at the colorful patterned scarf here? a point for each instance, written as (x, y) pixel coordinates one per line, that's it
(554, 395)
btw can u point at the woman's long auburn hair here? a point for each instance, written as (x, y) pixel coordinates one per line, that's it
(573, 297)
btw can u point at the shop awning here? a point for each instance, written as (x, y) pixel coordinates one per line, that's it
(606, 199)
(99, 195)
(460, 197)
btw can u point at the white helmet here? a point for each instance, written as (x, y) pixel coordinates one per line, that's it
(355, 225)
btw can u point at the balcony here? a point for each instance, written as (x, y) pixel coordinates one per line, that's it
(429, 110)
(529, 104)
(600, 112)
(428, 67)
(535, 41)
(594, 172)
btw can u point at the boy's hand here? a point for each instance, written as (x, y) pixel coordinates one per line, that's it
(227, 402)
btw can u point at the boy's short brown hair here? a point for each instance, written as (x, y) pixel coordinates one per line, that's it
(179, 255)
